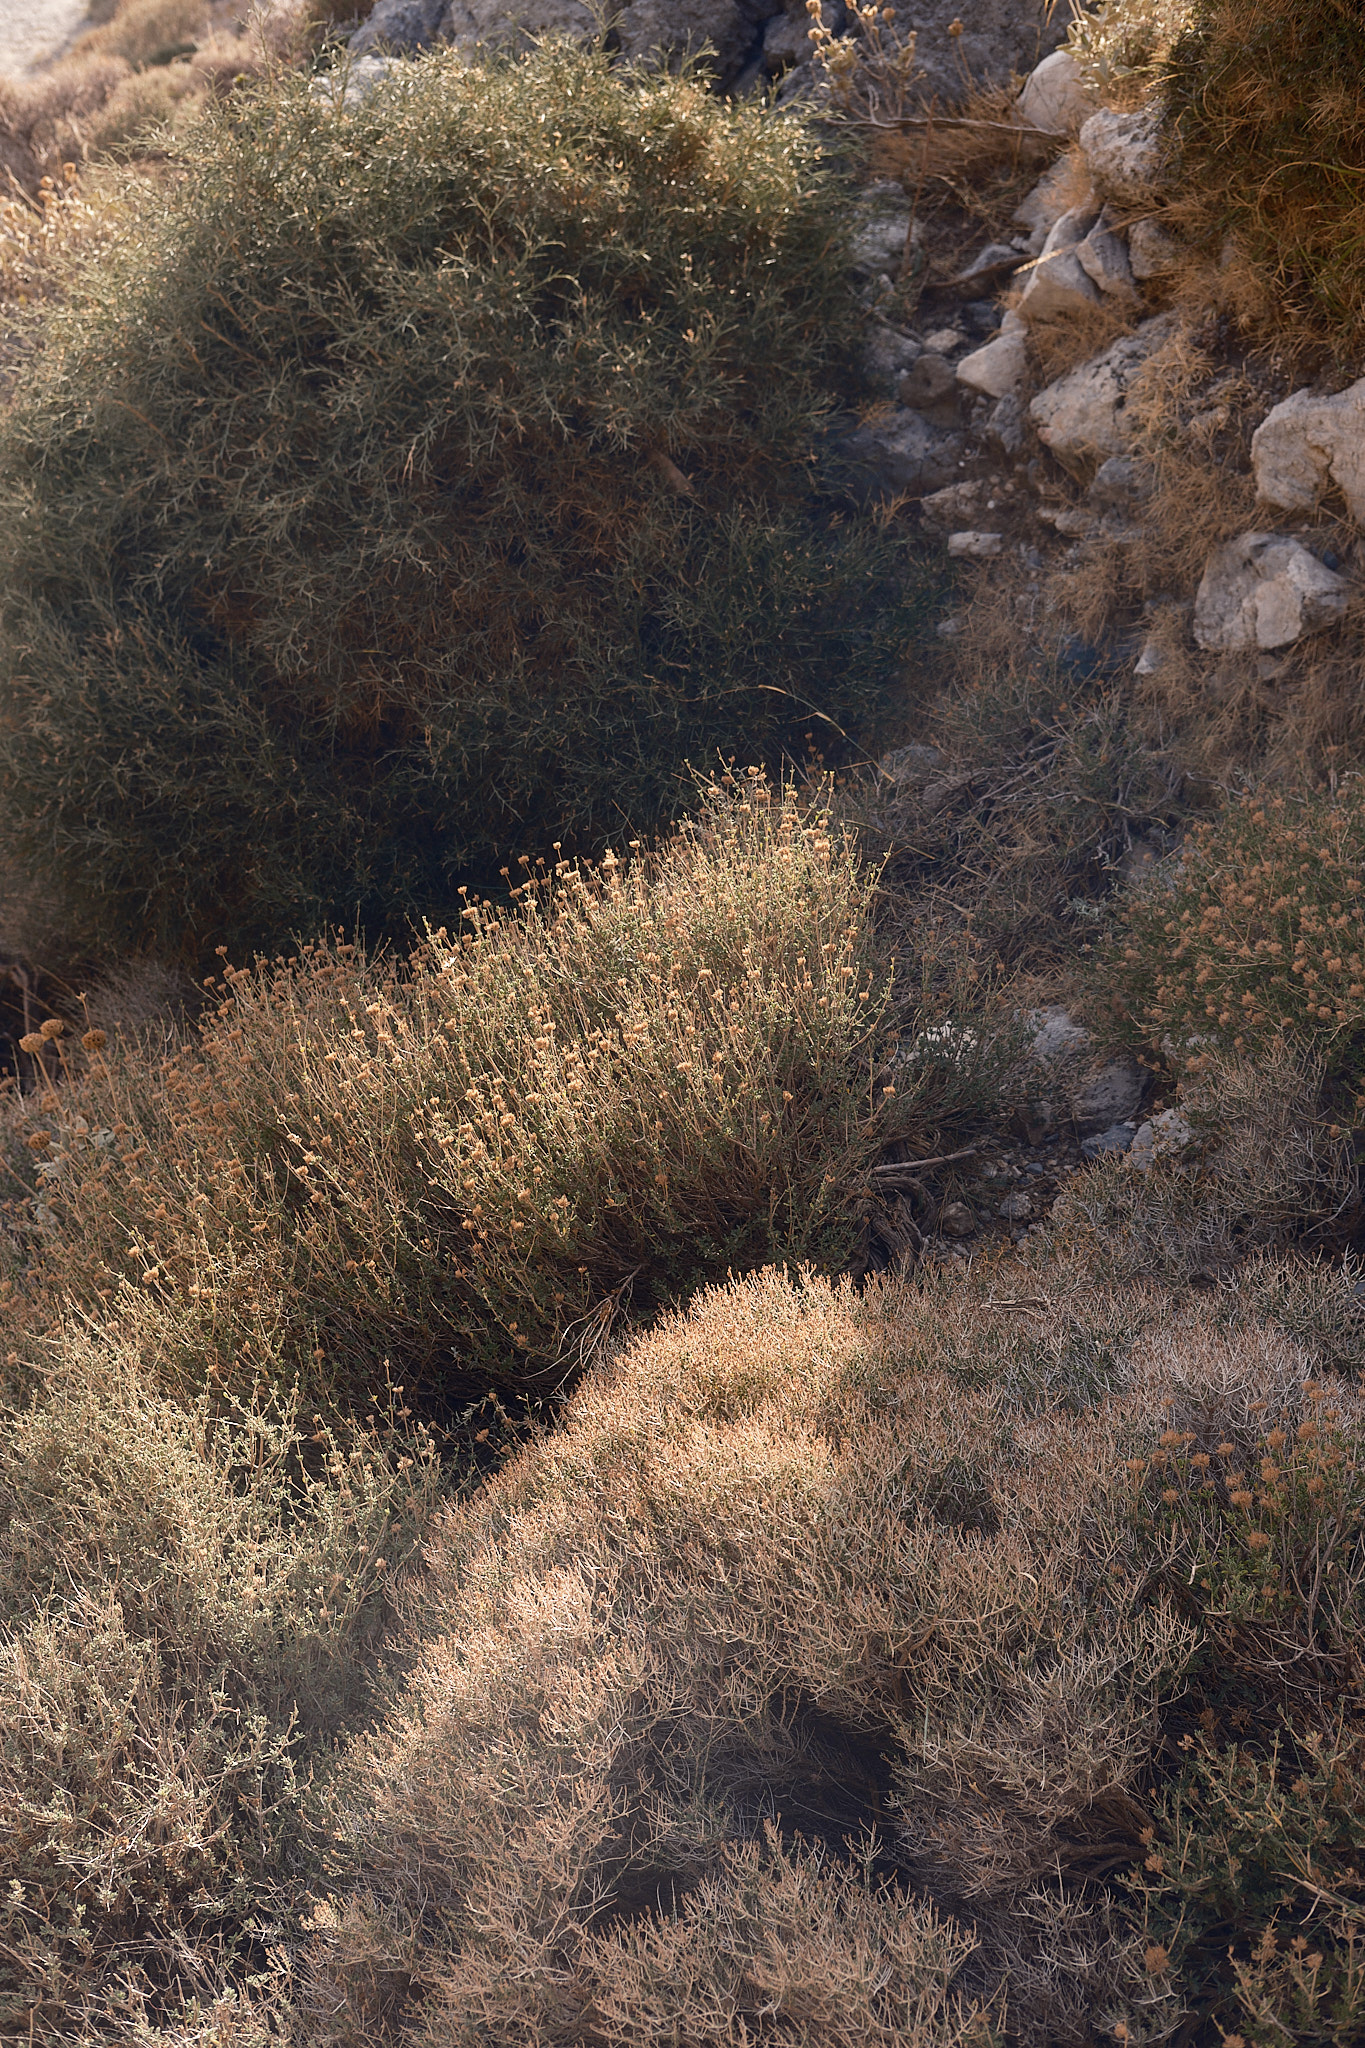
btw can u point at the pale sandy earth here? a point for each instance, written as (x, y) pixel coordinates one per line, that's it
(31, 30)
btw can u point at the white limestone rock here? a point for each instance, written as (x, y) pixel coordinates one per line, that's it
(975, 546)
(1123, 152)
(1000, 368)
(1104, 259)
(1162, 1136)
(1055, 96)
(1056, 284)
(1151, 251)
(1264, 591)
(1307, 442)
(1081, 415)
(1054, 194)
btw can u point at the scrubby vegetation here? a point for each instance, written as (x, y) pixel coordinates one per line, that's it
(1270, 126)
(464, 1163)
(420, 482)
(544, 1495)
(1256, 936)
(820, 1673)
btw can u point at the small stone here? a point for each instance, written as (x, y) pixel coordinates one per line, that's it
(879, 245)
(887, 355)
(1005, 424)
(1151, 251)
(1307, 442)
(1151, 658)
(1116, 1139)
(1159, 1138)
(1123, 152)
(1118, 481)
(928, 383)
(1264, 591)
(897, 453)
(1056, 1032)
(957, 1220)
(955, 504)
(1054, 194)
(1016, 1208)
(944, 340)
(1056, 284)
(995, 256)
(1055, 96)
(1104, 259)
(999, 369)
(1112, 1096)
(1082, 413)
(975, 547)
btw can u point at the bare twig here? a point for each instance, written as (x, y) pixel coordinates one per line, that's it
(910, 1169)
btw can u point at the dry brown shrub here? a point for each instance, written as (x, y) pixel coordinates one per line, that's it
(658, 1660)
(187, 1616)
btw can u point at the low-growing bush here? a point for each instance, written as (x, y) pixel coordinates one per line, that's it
(1028, 788)
(1258, 1165)
(1253, 934)
(422, 478)
(633, 1080)
(1252, 1892)
(191, 1604)
(786, 1612)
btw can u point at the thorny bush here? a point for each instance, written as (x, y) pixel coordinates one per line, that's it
(1255, 933)
(422, 478)
(631, 1080)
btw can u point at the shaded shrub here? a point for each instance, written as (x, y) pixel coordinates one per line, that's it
(1028, 788)
(632, 1080)
(1252, 1892)
(1261, 1166)
(1269, 121)
(422, 479)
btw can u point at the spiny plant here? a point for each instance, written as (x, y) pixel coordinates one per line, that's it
(626, 1082)
(1270, 125)
(421, 478)
(1255, 934)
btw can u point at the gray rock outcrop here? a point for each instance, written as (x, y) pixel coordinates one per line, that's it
(1264, 591)
(1307, 443)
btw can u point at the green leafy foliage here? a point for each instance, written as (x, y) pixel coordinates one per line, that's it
(420, 480)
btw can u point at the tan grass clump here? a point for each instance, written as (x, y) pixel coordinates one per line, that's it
(813, 1652)
(1270, 127)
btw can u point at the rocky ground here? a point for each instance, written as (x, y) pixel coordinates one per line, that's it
(959, 46)
(33, 30)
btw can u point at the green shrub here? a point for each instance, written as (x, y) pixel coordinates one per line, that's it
(421, 480)
(629, 1082)
(1253, 935)
(1270, 127)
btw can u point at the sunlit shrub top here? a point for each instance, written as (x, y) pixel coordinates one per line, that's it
(1256, 931)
